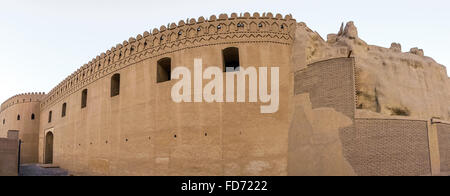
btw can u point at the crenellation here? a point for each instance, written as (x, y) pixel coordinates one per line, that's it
(22, 98)
(223, 17)
(279, 16)
(192, 21)
(199, 20)
(212, 18)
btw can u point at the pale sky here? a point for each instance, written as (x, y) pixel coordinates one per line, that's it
(44, 41)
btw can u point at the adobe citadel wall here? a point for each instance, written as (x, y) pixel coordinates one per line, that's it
(143, 132)
(397, 93)
(335, 116)
(327, 137)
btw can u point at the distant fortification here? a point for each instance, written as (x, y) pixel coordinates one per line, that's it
(346, 107)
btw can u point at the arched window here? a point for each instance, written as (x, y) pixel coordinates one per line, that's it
(18, 117)
(230, 59)
(84, 98)
(163, 70)
(50, 117)
(115, 85)
(64, 107)
(4, 121)
(32, 116)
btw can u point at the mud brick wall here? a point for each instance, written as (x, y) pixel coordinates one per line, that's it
(443, 131)
(377, 147)
(8, 157)
(330, 84)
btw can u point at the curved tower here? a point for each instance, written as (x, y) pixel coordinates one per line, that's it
(21, 113)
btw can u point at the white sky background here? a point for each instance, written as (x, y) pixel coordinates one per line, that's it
(44, 41)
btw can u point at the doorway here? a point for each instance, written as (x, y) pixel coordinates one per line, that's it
(48, 148)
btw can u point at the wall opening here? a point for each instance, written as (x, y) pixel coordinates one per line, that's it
(64, 108)
(49, 148)
(84, 98)
(33, 116)
(18, 117)
(230, 59)
(115, 85)
(163, 70)
(50, 117)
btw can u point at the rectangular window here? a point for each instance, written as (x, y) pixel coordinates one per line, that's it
(84, 98)
(231, 59)
(163, 70)
(50, 117)
(115, 85)
(63, 112)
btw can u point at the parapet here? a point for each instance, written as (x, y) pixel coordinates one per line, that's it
(186, 34)
(22, 98)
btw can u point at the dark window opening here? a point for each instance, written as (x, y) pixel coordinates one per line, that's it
(50, 117)
(163, 70)
(230, 59)
(84, 98)
(115, 85)
(32, 117)
(18, 117)
(4, 121)
(64, 108)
